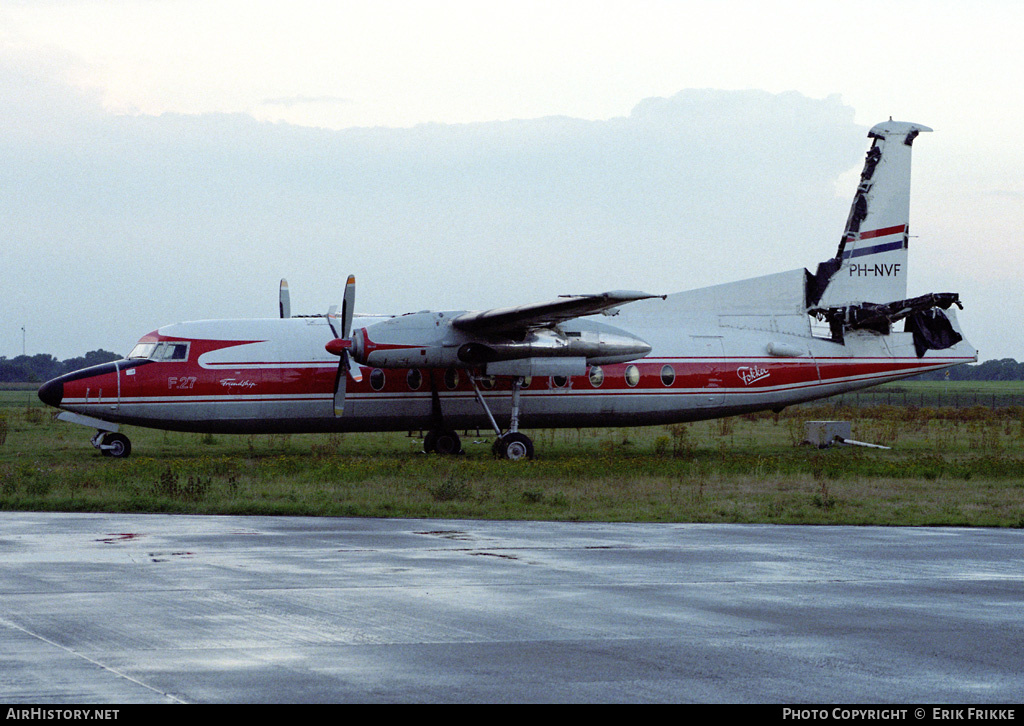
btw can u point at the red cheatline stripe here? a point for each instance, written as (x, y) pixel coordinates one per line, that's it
(884, 232)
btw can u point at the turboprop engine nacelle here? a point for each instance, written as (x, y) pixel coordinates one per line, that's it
(428, 340)
(598, 347)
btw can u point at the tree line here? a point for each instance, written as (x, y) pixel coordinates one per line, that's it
(1004, 369)
(43, 367)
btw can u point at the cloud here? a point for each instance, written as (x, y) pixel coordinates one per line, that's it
(1009, 194)
(293, 101)
(119, 224)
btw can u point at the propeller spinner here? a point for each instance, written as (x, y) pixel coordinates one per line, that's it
(342, 344)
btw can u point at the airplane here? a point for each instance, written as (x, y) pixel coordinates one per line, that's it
(618, 358)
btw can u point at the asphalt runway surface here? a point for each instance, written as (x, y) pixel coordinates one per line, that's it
(112, 608)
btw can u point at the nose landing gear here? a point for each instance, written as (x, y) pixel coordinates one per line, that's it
(112, 444)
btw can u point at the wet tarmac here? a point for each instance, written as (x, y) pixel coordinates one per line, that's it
(110, 608)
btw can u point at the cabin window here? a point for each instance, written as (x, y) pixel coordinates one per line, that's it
(451, 379)
(414, 378)
(377, 379)
(596, 376)
(559, 381)
(668, 375)
(632, 376)
(487, 382)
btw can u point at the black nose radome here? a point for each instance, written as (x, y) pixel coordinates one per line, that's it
(52, 392)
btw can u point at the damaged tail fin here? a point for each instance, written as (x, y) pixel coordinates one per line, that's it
(871, 263)
(864, 287)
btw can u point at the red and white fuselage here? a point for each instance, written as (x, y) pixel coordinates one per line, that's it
(714, 352)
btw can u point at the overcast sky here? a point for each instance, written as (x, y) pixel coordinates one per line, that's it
(165, 161)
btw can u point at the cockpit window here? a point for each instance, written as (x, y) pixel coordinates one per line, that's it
(142, 350)
(165, 351)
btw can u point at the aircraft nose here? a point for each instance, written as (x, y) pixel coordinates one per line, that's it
(52, 392)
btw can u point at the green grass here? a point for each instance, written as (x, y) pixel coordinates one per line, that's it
(948, 466)
(937, 394)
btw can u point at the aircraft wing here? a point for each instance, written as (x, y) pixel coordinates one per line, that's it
(539, 315)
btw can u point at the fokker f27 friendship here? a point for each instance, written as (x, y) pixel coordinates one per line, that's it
(762, 343)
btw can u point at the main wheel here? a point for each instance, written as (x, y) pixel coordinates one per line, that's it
(514, 447)
(119, 445)
(442, 442)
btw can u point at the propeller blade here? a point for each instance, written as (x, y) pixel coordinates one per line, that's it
(284, 300)
(354, 369)
(341, 326)
(348, 306)
(332, 320)
(339, 387)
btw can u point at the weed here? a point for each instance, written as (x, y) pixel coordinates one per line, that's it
(824, 499)
(168, 485)
(794, 427)
(452, 488)
(533, 496)
(682, 446)
(559, 500)
(38, 488)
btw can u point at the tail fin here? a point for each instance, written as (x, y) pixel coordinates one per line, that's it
(871, 263)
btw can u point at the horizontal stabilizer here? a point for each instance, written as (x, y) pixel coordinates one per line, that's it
(925, 319)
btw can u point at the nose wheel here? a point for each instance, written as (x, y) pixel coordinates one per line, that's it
(111, 444)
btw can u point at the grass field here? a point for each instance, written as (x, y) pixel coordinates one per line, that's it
(938, 394)
(948, 466)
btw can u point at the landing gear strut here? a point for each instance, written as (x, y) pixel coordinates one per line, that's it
(439, 439)
(512, 444)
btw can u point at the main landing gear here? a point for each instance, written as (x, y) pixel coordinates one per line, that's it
(513, 444)
(443, 441)
(439, 439)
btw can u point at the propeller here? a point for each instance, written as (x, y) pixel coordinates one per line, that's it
(284, 300)
(342, 344)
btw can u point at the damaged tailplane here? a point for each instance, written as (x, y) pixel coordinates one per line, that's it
(871, 262)
(931, 328)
